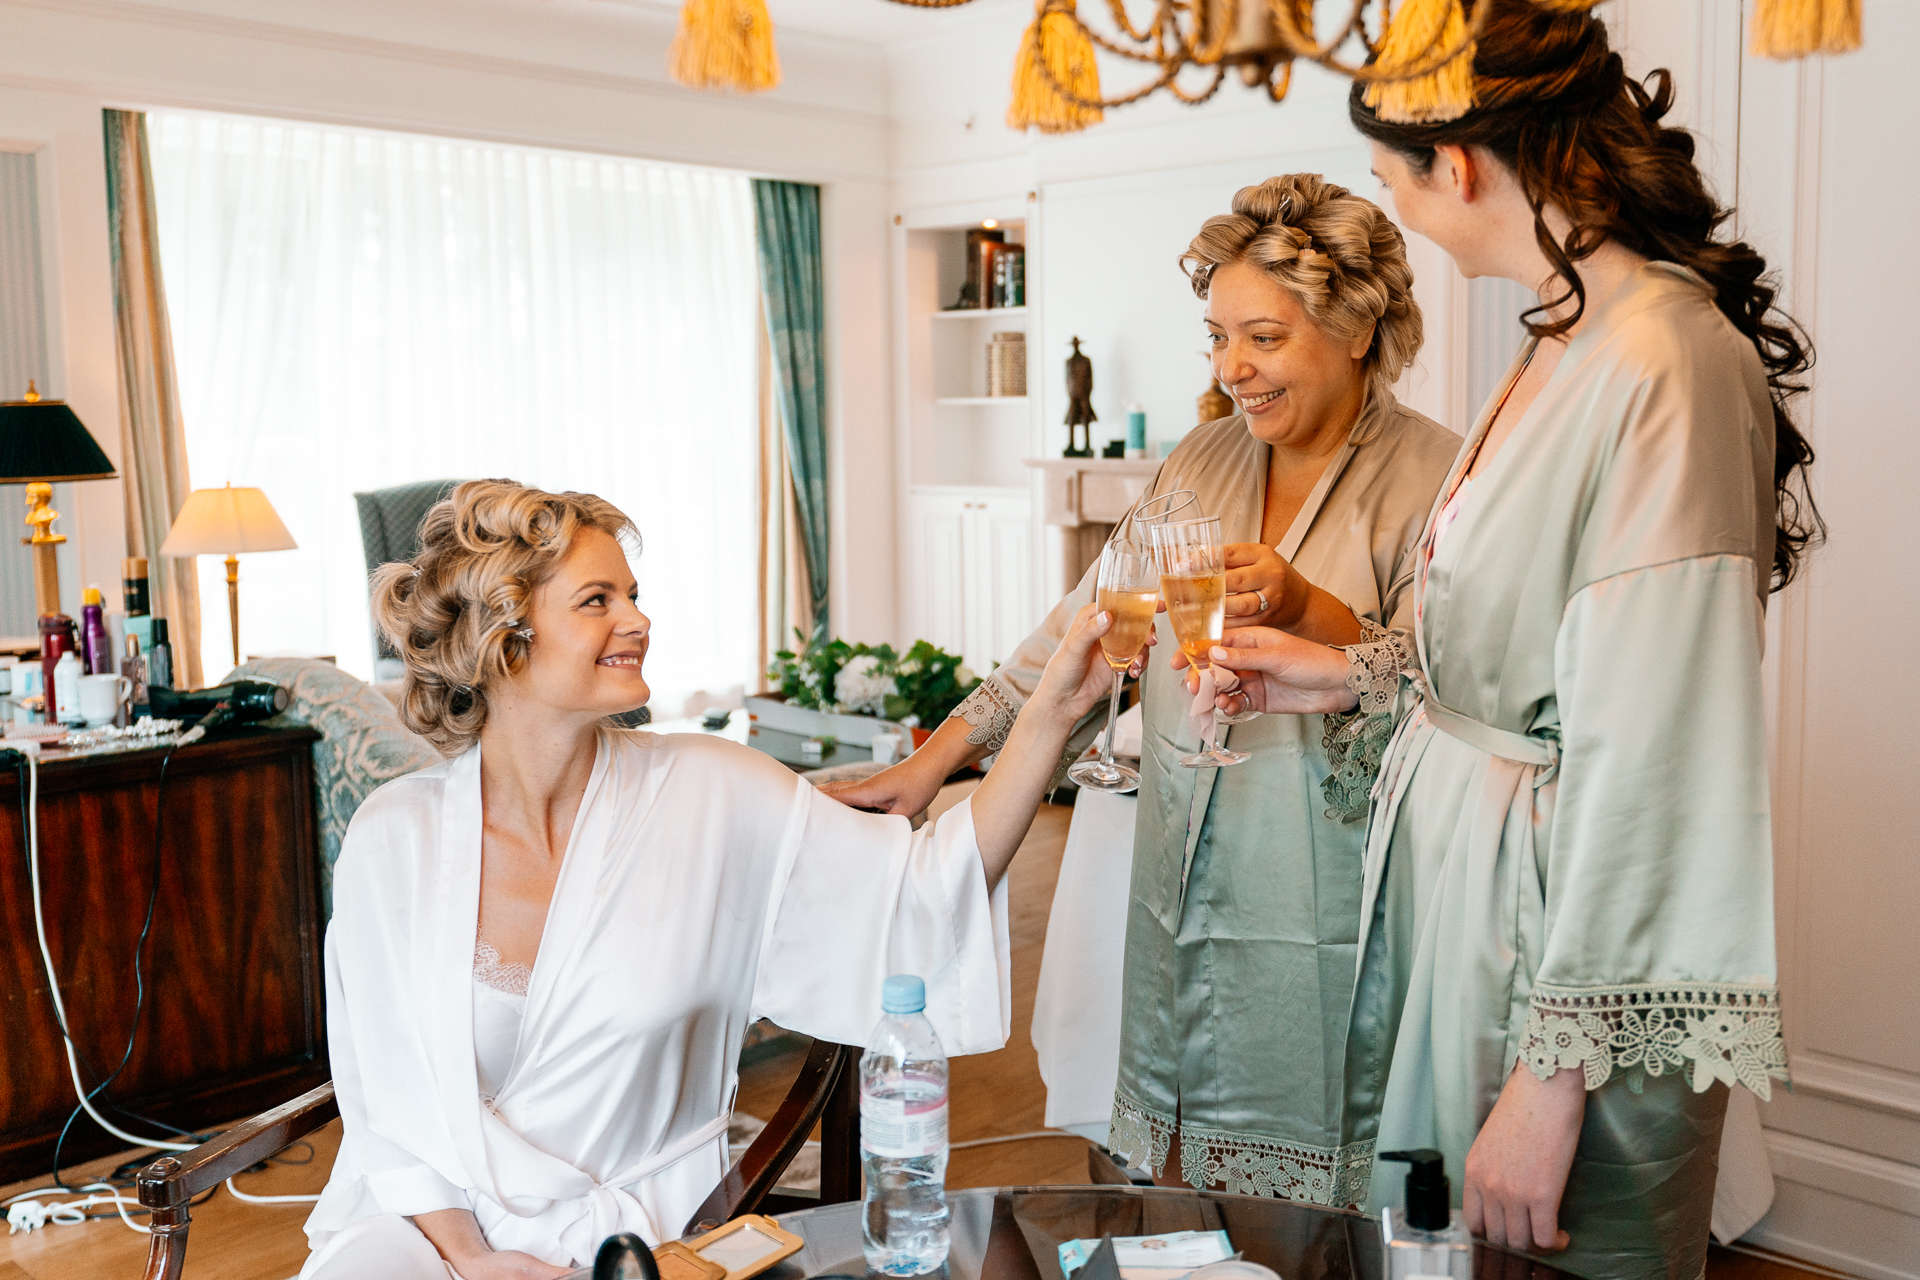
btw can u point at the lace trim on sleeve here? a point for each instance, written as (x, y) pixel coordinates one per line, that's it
(1356, 741)
(990, 710)
(1729, 1032)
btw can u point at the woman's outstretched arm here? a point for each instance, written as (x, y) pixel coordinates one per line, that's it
(1077, 680)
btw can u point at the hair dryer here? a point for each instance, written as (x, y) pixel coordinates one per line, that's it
(243, 702)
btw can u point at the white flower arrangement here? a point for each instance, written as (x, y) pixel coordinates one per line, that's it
(863, 686)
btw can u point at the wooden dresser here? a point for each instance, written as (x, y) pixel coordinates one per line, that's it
(232, 1022)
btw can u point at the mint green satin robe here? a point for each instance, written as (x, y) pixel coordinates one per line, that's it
(1245, 898)
(1569, 860)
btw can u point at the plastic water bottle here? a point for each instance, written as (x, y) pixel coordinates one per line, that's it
(903, 1136)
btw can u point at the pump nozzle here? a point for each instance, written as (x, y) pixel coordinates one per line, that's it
(1429, 1196)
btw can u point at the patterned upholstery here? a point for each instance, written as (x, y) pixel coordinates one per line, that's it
(389, 531)
(362, 743)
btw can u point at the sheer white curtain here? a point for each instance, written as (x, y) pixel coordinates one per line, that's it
(354, 309)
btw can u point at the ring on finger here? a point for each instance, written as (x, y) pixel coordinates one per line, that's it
(1261, 596)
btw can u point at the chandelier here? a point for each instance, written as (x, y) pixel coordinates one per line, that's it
(1415, 57)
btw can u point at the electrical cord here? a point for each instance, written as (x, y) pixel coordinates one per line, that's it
(53, 978)
(140, 991)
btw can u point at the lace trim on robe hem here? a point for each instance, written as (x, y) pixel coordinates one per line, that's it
(490, 971)
(1242, 1163)
(1712, 1031)
(990, 710)
(1356, 741)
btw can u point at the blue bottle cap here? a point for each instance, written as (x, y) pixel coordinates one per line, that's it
(903, 993)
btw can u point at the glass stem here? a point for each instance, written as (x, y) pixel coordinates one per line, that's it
(1113, 709)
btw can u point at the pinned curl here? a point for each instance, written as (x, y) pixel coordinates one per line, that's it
(456, 613)
(1336, 252)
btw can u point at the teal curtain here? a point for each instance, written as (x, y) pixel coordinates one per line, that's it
(787, 217)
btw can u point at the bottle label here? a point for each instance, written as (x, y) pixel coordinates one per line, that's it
(904, 1128)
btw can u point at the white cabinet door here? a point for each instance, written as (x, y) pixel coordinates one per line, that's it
(970, 566)
(936, 569)
(1003, 569)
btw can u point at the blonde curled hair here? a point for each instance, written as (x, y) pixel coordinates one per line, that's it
(1337, 253)
(457, 613)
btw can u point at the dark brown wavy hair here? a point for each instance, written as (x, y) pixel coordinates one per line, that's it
(1555, 105)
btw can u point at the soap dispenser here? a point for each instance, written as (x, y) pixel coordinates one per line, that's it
(1427, 1239)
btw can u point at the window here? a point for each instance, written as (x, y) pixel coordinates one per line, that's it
(354, 309)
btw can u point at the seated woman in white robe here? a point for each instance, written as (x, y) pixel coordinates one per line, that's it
(545, 951)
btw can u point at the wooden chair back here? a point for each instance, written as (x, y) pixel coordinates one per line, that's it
(826, 1092)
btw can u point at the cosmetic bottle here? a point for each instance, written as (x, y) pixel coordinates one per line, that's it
(57, 637)
(66, 690)
(1426, 1238)
(160, 657)
(134, 667)
(96, 646)
(133, 585)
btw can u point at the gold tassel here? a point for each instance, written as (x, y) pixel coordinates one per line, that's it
(1796, 28)
(1056, 42)
(1420, 30)
(725, 44)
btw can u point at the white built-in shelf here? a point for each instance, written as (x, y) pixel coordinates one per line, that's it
(978, 400)
(975, 313)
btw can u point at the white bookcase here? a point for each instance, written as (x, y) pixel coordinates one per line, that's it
(969, 579)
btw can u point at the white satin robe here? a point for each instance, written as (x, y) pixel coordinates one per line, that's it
(704, 886)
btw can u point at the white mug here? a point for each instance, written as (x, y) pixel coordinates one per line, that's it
(100, 697)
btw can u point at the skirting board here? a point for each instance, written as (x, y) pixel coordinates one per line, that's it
(1855, 1213)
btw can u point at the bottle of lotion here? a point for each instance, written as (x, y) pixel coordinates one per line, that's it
(66, 690)
(1427, 1238)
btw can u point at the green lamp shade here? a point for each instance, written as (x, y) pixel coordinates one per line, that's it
(44, 440)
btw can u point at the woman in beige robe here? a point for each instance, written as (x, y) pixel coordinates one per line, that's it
(1245, 897)
(1567, 950)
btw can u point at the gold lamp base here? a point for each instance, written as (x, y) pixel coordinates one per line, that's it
(233, 604)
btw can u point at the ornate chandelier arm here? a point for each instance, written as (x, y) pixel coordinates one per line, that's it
(1118, 50)
(1210, 54)
(1324, 54)
(1098, 104)
(933, 4)
(1121, 20)
(1302, 42)
(1194, 100)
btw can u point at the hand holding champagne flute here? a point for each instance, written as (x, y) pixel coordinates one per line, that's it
(1193, 578)
(1128, 576)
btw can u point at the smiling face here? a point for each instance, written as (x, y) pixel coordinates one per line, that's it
(1296, 383)
(590, 638)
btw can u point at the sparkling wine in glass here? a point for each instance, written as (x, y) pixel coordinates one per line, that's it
(1129, 576)
(1193, 579)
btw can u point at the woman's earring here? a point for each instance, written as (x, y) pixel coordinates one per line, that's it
(525, 633)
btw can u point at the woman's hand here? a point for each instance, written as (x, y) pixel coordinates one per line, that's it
(906, 788)
(1281, 673)
(508, 1264)
(456, 1236)
(1262, 588)
(1077, 678)
(1517, 1168)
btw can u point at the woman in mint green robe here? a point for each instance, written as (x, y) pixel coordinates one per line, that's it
(1567, 954)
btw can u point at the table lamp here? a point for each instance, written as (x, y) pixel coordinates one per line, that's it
(227, 521)
(42, 441)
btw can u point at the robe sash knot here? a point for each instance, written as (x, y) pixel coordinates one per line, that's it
(608, 1208)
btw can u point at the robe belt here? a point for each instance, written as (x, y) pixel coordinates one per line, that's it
(1518, 747)
(611, 1208)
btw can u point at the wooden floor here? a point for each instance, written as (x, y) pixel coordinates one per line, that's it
(993, 1094)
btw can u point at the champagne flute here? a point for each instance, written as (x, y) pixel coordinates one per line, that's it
(1193, 578)
(1128, 590)
(1162, 509)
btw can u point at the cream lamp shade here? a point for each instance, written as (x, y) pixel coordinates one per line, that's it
(227, 521)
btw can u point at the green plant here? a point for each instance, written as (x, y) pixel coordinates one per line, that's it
(921, 688)
(928, 684)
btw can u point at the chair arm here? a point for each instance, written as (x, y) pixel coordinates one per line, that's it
(747, 1183)
(168, 1184)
